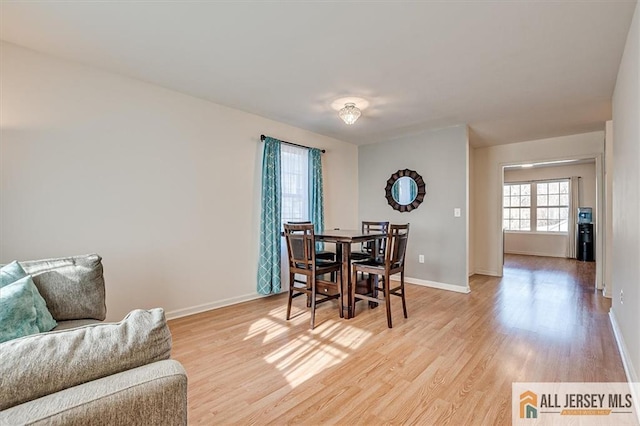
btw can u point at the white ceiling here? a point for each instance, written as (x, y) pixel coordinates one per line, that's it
(512, 70)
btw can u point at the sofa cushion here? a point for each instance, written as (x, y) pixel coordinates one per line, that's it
(153, 394)
(72, 286)
(65, 325)
(12, 272)
(17, 314)
(39, 365)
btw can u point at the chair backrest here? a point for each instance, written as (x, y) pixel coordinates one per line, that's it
(397, 237)
(300, 245)
(375, 227)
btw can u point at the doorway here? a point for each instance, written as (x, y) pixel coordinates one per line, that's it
(538, 213)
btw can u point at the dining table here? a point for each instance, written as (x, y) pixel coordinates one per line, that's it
(343, 239)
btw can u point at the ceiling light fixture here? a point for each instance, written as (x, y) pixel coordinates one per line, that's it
(350, 113)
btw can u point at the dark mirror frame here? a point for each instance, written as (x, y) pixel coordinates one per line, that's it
(421, 190)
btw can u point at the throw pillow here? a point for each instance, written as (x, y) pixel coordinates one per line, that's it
(13, 272)
(35, 366)
(17, 314)
(79, 277)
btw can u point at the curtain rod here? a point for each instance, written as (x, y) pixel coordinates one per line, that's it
(293, 144)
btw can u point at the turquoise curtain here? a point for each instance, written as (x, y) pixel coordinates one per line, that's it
(269, 263)
(316, 196)
(413, 191)
(395, 191)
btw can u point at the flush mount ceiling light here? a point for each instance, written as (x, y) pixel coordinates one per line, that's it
(350, 113)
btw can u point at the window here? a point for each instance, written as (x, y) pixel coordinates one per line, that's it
(552, 210)
(536, 206)
(517, 207)
(294, 171)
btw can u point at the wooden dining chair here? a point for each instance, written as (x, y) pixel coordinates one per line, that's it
(369, 246)
(320, 254)
(393, 263)
(303, 261)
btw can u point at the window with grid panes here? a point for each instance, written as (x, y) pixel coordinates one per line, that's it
(552, 206)
(517, 207)
(536, 206)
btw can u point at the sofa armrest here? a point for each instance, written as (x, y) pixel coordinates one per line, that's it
(152, 394)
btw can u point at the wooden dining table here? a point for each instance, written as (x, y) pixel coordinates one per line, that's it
(343, 239)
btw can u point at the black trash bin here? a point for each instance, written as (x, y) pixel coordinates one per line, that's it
(585, 242)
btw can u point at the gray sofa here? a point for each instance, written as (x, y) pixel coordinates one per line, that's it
(85, 371)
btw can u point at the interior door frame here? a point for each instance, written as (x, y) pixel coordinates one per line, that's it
(600, 210)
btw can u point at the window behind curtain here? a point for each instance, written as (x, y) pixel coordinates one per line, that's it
(294, 169)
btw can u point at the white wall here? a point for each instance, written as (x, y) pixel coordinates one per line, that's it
(544, 244)
(164, 186)
(535, 244)
(625, 311)
(608, 219)
(441, 158)
(488, 177)
(472, 212)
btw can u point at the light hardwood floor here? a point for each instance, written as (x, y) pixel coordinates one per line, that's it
(451, 362)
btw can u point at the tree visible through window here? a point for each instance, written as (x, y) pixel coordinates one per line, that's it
(536, 206)
(552, 210)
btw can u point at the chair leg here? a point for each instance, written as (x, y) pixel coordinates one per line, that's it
(352, 293)
(387, 299)
(291, 285)
(339, 282)
(372, 285)
(404, 302)
(313, 302)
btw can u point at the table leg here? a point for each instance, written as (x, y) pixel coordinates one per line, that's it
(343, 252)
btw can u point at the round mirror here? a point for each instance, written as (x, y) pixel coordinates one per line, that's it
(405, 190)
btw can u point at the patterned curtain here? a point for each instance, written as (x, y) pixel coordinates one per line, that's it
(269, 263)
(316, 196)
(574, 203)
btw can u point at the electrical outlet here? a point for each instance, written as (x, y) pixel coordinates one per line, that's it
(621, 297)
(457, 212)
(421, 258)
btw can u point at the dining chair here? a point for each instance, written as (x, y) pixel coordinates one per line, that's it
(393, 263)
(320, 254)
(369, 246)
(303, 261)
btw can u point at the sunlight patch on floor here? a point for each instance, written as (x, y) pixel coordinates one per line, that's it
(306, 354)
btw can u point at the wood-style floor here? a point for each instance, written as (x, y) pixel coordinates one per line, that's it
(451, 362)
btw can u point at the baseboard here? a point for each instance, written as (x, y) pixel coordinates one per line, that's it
(629, 370)
(435, 284)
(487, 272)
(534, 253)
(213, 305)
